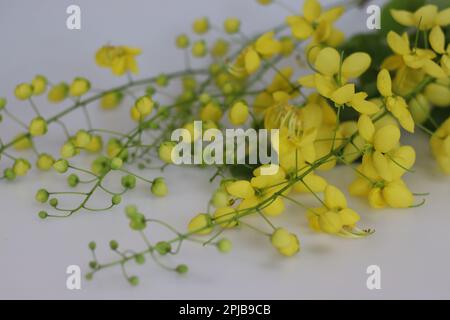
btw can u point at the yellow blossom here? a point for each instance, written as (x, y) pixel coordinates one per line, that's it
(120, 59)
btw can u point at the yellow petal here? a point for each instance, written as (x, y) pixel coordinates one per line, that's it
(330, 222)
(397, 195)
(300, 28)
(443, 17)
(363, 106)
(311, 10)
(328, 61)
(376, 199)
(384, 83)
(241, 189)
(433, 69)
(355, 65)
(252, 61)
(403, 17)
(386, 138)
(360, 187)
(325, 85)
(344, 94)
(348, 216)
(402, 159)
(332, 15)
(366, 128)
(393, 62)
(334, 198)
(381, 164)
(397, 43)
(426, 16)
(437, 39)
(307, 81)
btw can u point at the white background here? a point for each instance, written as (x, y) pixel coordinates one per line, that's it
(411, 246)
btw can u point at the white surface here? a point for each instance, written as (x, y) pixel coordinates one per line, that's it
(411, 246)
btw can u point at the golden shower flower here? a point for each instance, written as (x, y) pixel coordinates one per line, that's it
(440, 146)
(120, 59)
(424, 18)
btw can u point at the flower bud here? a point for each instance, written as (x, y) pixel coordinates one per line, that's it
(42, 196)
(128, 181)
(144, 105)
(200, 224)
(111, 100)
(231, 25)
(68, 150)
(21, 167)
(224, 245)
(199, 48)
(182, 41)
(165, 151)
(43, 214)
(264, 2)
(79, 86)
(44, 162)
(238, 113)
(159, 187)
(162, 80)
(3, 102)
(73, 180)
(220, 199)
(9, 174)
(163, 247)
(134, 281)
(211, 111)
(182, 268)
(139, 258)
(61, 166)
(82, 139)
(114, 245)
(39, 84)
(220, 48)
(200, 25)
(116, 163)
(116, 199)
(38, 127)
(131, 211)
(92, 245)
(53, 202)
(23, 142)
(280, 238)
(58, 92)
(23, 91)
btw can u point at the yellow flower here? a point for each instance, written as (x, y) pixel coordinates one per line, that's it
(314, 22)
(200, 224)
(424, 18)
(334, 217)
(416, 58)
(285, 242)
(395, 104)
(332, 76)
(120, 59)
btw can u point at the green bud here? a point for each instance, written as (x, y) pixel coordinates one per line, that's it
(43, 214)
(61, 166)
(9, 174)
(128, 181)
(138, 223)
(133, 280)
(89, 276)
(159, 187)
(53, 202)
(114, 245)
(131, 211)
(42, 196)
(92, 245)
(182, 268)
(73, 180)
(2, 103)
(116, 163)
(162, 80)
(224, 245)
(139, 258)
(150, 90)
(116, 199)
(205, 98)
(93, 264)
(163, 247)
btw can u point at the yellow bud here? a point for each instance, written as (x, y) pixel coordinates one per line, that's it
(68, 150)
(45, 162)
(199, 49)
(420, 108)
(238, 113)
(224, 216)
(264, 2)
(21, 167)
(182, 41)
(386, 138)
(39, 84)
(23, 91)
(231, 25)
(275, 208)
(79, 86)
(384, 83)
(82, 139)
(95, 144)
(397, 195)
(280, 238)
(165, 151)
(23, 142)
(111, 100)
(212, 111)
(220, 48)
(292, 248)
(144, 105)
(38, 127)
(159, 187)
(376, 199)
(201, 25)
(200, 224)
(334, 198)
(241, 189)
(58, 92)
(348, 216)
